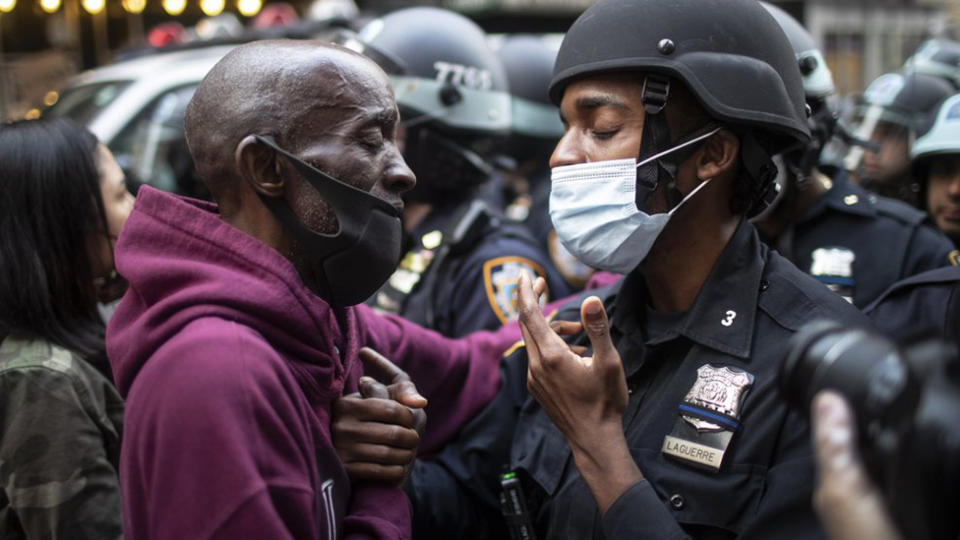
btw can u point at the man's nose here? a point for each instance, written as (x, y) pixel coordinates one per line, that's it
(568, 151)
(399, 179)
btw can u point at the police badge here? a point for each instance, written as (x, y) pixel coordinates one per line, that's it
(709, 417)
(833, 267)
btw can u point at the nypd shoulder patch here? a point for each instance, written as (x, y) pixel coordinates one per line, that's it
(500, 279)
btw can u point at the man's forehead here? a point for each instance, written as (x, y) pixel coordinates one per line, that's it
(339, 85)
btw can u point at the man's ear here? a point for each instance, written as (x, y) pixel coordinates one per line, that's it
(719, 154)
(258, 166)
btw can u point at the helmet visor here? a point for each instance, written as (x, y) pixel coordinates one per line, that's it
(881, 126)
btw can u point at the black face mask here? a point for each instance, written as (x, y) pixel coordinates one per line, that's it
(353, 263)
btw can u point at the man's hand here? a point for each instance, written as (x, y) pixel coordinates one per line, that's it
(848, 504)
(584, 396)
(376, 432)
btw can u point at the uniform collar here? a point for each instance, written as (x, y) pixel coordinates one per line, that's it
(723, 314)
(843, 196)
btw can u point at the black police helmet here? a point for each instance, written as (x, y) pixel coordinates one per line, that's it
(452, 93)
(528, 62)
(441, 66)
(909, 99)
(817, 86)
(730, 53)
(817, 79)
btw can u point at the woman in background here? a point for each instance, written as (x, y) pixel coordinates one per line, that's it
(62, 203)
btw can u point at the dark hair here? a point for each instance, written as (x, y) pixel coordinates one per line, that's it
(50, 204)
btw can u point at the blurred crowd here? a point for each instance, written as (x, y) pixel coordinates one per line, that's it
(394, 277)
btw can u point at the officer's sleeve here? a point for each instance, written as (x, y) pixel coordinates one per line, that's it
(484, 285)
(929, 249)
(639, 513)
(56, 474)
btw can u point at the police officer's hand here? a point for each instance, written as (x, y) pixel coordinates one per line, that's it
(376, 431)
(584, 396)
(848, 504)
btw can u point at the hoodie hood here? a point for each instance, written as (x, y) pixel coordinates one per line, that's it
(183, 262)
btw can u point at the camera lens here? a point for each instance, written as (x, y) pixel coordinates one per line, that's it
(867, 369)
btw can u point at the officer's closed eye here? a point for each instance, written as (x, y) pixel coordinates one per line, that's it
(605, 134)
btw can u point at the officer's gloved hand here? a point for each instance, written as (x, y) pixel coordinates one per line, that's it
(848, 503)
(376, 432)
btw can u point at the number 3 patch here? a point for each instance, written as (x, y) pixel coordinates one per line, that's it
(500, 279)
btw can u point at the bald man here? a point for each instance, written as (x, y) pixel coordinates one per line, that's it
(238, 333)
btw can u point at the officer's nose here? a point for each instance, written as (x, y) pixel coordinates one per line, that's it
(954, 188)
(568, 151)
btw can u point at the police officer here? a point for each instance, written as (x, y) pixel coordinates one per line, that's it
(898, 108)
(535, 130)
(939, 57)
(853, 241)
(674, 426)
(936, 165)
(932, 298)
(462, 258)
(927, 300)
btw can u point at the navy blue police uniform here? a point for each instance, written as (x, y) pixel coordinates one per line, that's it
(927, 300)
(721, 452)
(460, 271)
(859, 244)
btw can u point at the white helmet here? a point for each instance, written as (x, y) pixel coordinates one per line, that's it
(938, 57)
(944, 136)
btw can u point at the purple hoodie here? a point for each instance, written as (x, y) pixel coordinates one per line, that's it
(230, 365)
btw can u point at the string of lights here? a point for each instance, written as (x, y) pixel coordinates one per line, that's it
(211, 8)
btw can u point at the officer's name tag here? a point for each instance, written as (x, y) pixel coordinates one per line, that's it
(691, 451)
(708, 418)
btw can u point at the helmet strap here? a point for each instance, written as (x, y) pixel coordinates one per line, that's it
(761, 169)
(657, 139)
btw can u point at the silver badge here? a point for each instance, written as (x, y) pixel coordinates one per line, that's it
(834, 268)
(719, 389)
(832, 262)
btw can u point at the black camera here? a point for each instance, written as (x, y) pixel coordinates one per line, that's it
(906, 398)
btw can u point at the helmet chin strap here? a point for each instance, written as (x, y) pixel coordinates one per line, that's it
(656, 140)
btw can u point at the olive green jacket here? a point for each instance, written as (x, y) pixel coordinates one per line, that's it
(60, 427)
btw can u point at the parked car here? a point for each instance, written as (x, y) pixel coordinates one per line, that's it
(136, 107)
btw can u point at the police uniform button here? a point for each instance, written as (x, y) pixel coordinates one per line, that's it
(851, 200)
(676, 501)
(764, 285)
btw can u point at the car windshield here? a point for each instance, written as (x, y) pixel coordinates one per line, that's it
(82, 103)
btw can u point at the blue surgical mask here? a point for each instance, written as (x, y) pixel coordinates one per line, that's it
(593, 207)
